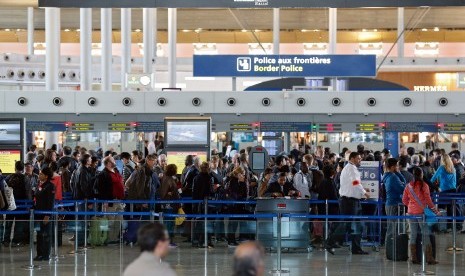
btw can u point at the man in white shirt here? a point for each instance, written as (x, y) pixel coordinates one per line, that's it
(301, 181)
(154, 243)
(351, 193)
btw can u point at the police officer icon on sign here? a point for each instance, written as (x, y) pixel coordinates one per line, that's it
(244, 64)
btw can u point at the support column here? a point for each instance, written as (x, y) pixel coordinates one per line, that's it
(154, 31)
(30, 31)
(276, 31)
(332, 31)
(85, 26)
(400, 32)
(52, 48)
(125, 45)
(172, 32)
(106, 41)
(147, 37)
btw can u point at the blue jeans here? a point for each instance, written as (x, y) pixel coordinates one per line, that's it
(391, 223)
(418, 226)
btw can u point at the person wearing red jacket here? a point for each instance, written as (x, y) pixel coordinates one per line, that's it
(109, 186)
(417, 197)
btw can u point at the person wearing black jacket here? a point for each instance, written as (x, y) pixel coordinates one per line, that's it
(281, 188)
(44, 201)
(22, 190)
(202, 188)
(82, 180)
(236, 190)
(187, 182)
(68, 156)
(81, 185)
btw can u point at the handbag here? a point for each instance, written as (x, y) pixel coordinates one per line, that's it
(430, 216)
(10, 197)
(179, 220)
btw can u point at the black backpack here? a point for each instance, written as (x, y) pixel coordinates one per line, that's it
(17, 181)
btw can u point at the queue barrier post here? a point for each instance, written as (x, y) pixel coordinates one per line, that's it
(31, 265)
(85, 225)
(160, 217)
(205, 228)
(423, 251)
(326, 220)
(55, 257)
(279, 270)
(454, 229)
(76, 231)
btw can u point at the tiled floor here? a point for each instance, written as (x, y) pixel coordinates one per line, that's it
(112, 260)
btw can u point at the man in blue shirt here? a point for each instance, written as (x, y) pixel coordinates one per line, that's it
(394, 183)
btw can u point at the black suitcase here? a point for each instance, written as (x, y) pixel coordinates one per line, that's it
(397, 248)
(419, 245)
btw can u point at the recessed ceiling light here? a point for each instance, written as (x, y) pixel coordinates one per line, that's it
(424, 29)
(364, 30)
(66, 30)
(436, 29)
(7, 30)
(137, 30)
(244, 30)
(375, 30)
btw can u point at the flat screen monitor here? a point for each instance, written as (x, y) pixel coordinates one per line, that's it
(258, 161)
(8, 159)
(10, 132)
(179, 157)
(187, 132)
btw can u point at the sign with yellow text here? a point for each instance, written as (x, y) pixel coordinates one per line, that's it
(8, 159)
(179, 157)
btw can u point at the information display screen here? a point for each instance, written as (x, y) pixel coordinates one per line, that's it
(10, 132)
(187, 133)
(258, 161)
(179, 157)
(8, 159)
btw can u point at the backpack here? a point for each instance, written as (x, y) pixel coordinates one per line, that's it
(3, 199)
(17, 182)
(136, 191)
(10, 198)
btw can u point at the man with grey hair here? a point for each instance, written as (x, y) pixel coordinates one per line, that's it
(249, 260)
(414, 162)
(160, 167)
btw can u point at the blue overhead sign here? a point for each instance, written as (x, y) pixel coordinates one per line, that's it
(411, 127)
(284, 65)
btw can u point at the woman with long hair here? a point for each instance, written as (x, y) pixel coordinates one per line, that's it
(236, 190)
(169, 191)
(447, 182)
(417, 197)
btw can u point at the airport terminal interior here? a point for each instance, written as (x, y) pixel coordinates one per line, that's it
(233, 137)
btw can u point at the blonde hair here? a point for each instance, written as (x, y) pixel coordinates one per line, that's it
(447, 163)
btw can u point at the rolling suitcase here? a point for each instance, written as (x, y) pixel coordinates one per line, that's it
(397, 247)
(98, 231)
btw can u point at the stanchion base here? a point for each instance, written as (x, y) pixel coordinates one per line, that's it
(78, 252)
(421, 273)
(31, 267)
(279, 272)
(454, 249)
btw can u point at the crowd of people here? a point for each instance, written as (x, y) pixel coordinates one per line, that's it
(46, 176)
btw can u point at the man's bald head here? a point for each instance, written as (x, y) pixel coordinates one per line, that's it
(248, 259)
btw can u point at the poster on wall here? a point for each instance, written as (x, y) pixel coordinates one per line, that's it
(370, 175)
(8, 159)
(178, 158)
